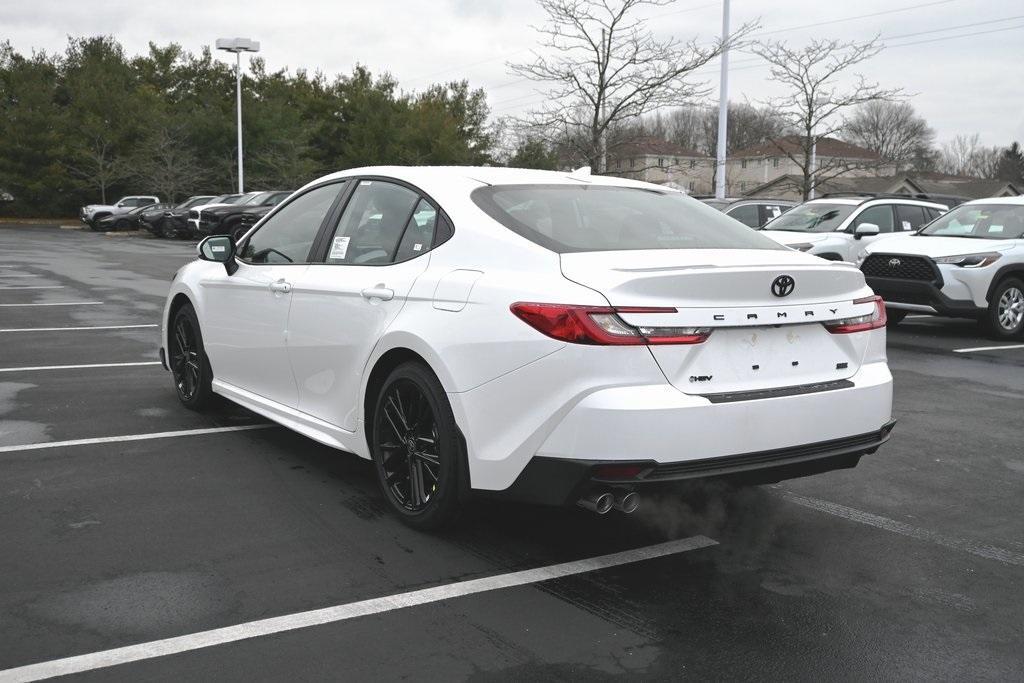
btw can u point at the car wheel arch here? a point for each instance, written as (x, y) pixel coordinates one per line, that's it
(1007, 271)
(382, 367)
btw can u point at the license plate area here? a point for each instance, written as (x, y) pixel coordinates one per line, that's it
(752, 358)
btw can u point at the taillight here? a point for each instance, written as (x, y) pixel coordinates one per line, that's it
(602, 325)
(861, 323)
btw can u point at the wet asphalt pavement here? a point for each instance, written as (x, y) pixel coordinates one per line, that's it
(910, 566)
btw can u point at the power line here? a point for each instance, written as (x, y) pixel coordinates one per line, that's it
(853, 18)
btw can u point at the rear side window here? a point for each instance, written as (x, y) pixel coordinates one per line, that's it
(373, 223)
(909, 217)
(575, 218)
(879, 215)
(746, 214)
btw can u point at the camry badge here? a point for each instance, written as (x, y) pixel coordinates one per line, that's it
(895, 263)
(783, 285)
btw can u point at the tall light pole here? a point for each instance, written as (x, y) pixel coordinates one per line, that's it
(723, 105)
(238, 46)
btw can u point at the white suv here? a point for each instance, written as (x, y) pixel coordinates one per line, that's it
(839, 228)
(969, 263)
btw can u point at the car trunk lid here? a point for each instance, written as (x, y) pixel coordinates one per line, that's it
(762, 336)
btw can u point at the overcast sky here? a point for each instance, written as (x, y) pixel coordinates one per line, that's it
(961, 83)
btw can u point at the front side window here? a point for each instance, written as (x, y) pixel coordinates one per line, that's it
(980, 221)
(288, 235)
(580, 218)
(813, 217)
(878, 215)
(910, 217)
(373, 223)
(746, 214)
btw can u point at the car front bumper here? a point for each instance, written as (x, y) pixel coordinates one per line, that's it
(923, 297)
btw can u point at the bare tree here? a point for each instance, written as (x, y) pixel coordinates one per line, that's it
(166, 164)
(814, 104)
(95, 164)
(965, 155)
(602, 66)
(893, 130)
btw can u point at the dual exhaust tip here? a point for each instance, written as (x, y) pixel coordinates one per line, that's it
(603, 502)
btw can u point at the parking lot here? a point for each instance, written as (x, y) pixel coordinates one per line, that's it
(127, 520)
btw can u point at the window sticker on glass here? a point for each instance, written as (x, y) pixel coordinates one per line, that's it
(906, 225)
(339, 247)
(417, 247)
(995, 228)
(776, 212)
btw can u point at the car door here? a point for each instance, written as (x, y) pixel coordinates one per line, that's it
(245, 314)
(347, 301)
(880, 215)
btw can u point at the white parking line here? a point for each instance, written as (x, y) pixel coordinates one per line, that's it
(130, 437)
(59, 303)
(79, 367)
(989, 348)
(34, 287)
(329, 615)
(69, 329)
(989, 552)
(20, 275)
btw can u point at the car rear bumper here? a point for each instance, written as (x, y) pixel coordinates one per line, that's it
(921, 296)
(562, 481)
(675, 434)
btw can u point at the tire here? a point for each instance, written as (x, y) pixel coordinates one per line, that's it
(1005, 319)
(190, 368)
(166, 231)
(121, 225)
(894, 317)
(238, 232)
(414, 438)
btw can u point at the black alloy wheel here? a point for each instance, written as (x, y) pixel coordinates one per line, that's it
(187, 358)
(417, 449)
(238, 232)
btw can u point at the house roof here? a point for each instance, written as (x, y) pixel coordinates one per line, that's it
(654, 146)
(792, 144)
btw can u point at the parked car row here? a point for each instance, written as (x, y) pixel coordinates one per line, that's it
(919, 255)
(197, 216)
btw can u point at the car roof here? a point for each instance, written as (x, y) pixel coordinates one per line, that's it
(866, 201)
(491, 175)
(1009, 201)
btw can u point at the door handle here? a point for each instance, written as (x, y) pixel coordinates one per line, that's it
(379, 292)
(281, 286)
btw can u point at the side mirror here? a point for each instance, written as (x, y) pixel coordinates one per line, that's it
(866, 230)
(219, 249)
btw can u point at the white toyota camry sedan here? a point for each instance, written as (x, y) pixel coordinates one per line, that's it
(547, 337)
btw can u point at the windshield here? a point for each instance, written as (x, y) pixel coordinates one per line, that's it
(574, 218)
(255, 199)
(980, 221)
(816, 217)
(194, 201)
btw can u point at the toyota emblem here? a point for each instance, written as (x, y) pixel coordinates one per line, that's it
(783, 285)
(895, 263)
